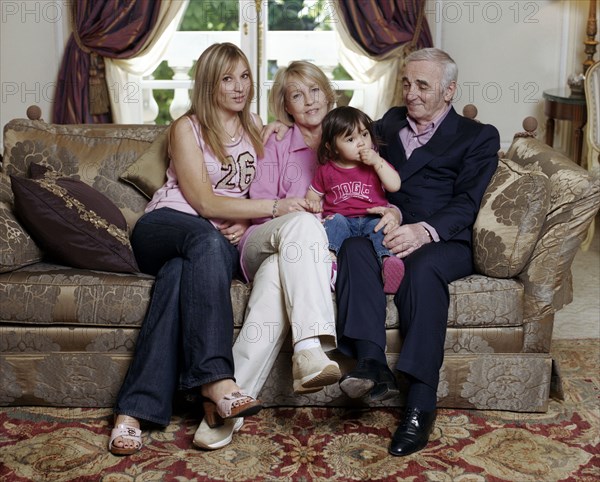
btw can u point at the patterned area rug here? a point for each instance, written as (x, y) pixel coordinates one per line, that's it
(46, 444)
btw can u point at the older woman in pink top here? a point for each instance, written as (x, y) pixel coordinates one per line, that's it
(286, 256)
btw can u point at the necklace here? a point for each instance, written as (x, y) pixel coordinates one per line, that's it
(233, 136)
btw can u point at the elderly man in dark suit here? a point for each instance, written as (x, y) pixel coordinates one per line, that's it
(445, 163)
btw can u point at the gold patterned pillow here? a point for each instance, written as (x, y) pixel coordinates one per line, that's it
(72, 222)
(512, 212)
(18, 249)
(149, 172)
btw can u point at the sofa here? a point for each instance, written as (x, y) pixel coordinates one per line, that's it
(68, 329)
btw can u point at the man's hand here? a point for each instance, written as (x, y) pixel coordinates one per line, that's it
(390, 218)
(406, 239)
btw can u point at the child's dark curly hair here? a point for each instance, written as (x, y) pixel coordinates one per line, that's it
(341, 121)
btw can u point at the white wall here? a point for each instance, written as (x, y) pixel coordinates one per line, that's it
(508, 52)
(32, 38)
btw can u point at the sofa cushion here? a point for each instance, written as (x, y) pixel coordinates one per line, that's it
(148, 172)
(63, 296)
(511, 216)
(477, 301)
(72, 222)
(70, 296)
(18, 249)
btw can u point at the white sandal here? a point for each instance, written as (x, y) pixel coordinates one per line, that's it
(125, 432)
(235, 404)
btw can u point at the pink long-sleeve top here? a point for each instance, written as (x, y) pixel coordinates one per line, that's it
(286, 170)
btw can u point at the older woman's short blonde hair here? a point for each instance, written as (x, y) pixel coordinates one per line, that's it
(297, 70)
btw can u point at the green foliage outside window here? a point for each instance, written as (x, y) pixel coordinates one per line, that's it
(299, 14)
(223, 15)
(211, 15)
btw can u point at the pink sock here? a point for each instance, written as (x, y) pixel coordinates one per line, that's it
(392, 273)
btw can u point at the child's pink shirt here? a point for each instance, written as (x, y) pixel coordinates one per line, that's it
(349, 192)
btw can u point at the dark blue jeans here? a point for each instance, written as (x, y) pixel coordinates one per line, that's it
(186, 338)
(339, 228)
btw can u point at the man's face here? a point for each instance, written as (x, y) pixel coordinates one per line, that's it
(423, 93)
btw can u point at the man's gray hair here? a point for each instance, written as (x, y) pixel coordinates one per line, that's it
(449, 67)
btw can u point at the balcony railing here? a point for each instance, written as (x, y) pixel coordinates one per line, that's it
(321, 48)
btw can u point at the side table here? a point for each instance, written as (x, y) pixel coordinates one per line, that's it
(559, 104)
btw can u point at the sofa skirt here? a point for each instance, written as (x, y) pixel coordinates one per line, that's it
(90, 373)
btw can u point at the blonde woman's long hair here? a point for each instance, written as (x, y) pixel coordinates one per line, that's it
(214, 62)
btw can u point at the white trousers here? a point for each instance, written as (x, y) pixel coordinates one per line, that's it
(289, 259)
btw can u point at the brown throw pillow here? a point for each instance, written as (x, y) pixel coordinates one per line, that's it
(149, 172)
(72, 222)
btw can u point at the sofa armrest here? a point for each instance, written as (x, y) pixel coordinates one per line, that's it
(574, 201)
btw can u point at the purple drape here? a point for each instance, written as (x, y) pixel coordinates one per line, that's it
(381, 26)
(102, 28)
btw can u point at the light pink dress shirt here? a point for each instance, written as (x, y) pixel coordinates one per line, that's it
(412, 139)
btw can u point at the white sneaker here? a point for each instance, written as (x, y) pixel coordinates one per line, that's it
(215, 438)
(313, 370)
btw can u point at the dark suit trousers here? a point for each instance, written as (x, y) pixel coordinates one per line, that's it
(422, 301)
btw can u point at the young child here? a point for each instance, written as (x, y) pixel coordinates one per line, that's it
(351, 178)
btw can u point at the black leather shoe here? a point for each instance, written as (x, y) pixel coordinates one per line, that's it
(386, 386)
(413, 432)
(358, 382)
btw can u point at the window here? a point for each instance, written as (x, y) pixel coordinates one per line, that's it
(271, 33)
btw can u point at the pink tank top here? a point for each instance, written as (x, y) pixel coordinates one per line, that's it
(232, 179)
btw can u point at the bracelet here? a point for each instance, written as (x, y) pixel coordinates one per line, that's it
(274, 212)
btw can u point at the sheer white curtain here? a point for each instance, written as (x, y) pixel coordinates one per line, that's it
(380, 74)
(123, 76)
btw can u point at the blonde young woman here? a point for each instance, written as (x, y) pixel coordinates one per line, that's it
(286, 257)
(188, 239)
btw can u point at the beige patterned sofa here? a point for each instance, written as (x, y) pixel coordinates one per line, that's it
(67, 334)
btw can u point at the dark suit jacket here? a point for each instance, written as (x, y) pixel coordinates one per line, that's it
(444, 181)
